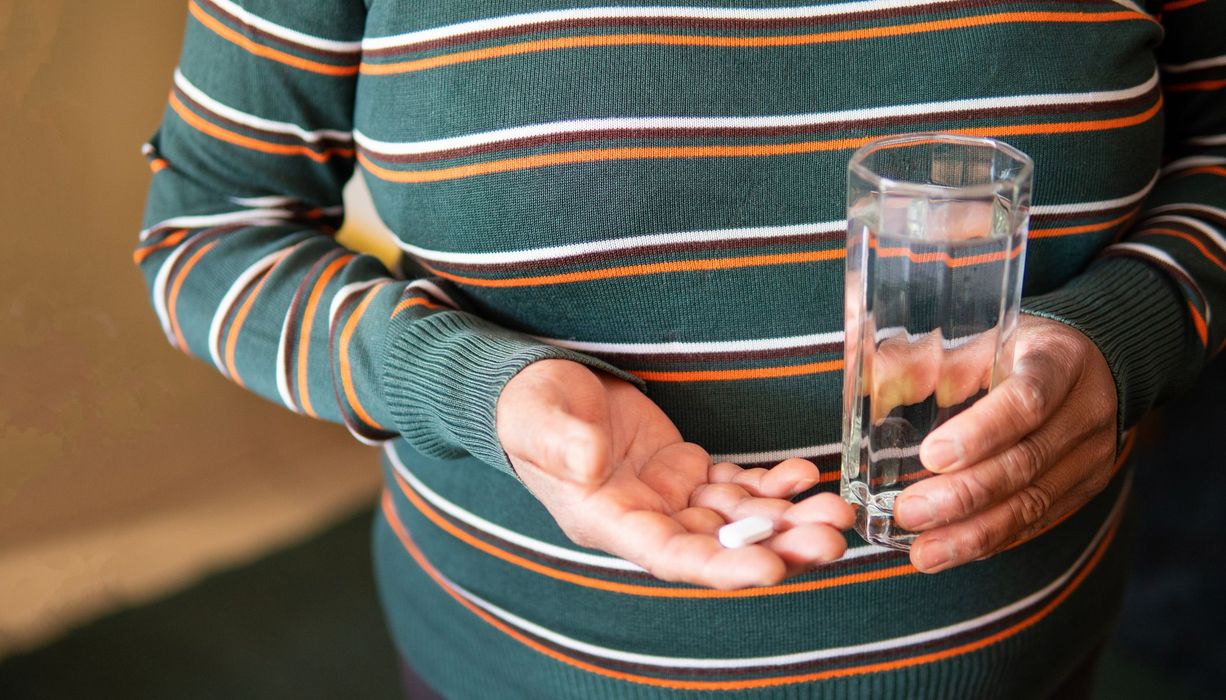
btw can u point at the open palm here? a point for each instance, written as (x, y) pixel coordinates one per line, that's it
(616, 474)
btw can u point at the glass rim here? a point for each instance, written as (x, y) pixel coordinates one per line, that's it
(856, 164)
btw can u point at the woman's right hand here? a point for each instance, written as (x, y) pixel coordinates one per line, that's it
(615, 473)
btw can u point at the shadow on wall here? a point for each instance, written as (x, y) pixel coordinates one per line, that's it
(126, 468)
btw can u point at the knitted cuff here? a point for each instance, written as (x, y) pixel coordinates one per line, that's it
(1136, 317)
(443, 374)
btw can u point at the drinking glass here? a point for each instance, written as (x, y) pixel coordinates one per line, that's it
(936, 244)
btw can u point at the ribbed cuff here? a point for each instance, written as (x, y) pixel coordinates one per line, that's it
(443, 374)
(1136, 317)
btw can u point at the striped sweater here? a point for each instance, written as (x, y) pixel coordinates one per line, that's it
(658, 192)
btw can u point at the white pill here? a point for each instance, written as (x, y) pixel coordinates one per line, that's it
(745, 532)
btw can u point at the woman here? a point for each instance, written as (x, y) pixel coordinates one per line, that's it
(616, 326)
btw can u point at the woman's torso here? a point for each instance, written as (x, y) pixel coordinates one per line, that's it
(664, 187)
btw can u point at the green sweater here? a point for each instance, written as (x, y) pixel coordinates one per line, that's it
(658, 192)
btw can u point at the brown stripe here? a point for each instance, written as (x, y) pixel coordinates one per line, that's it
(743, 132)
(696, 23)
(345, 57)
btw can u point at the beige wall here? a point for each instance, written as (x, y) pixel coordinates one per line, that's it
(126, 468)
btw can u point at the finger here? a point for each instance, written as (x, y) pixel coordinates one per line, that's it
(789, 478)
(567, 448)
(804, 546)
(661, 545)
(1021, 403)
(1029, 509)
(723, 472)
(734, 503)
(1095, 479)
(955, 495)
(823, 508)
(700, 520)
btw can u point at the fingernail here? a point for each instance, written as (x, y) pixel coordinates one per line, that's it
(940, 454)
(914, 512)
(933, 556)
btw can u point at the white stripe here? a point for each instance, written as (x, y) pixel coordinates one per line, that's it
(1192, 162)
(1205, 208)
(283, 367)
(534, 18)
(433, 290)
(559, 251)
(813, 655)
(160, 282)
(286, 33)
(1194, 65)
(1085, 207)
(706, 347)
(1201, 226)
(498, 531)
(831, 448)
(343, 295)
(269, 201)
(251, 120)
(231, 297)
(251, 217)
(648, 123)
(530, 543)
(1215, 140)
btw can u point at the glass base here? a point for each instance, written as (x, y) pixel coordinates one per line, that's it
(878, 528)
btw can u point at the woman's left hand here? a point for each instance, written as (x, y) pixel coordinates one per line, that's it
(1036, 448)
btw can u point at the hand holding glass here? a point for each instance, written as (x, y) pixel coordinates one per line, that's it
(936, 244)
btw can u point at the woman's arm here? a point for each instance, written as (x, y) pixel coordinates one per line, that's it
(1155, 302)
(239, 254)
(1153, 305)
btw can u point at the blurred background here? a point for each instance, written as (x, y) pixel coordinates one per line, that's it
(142, 557)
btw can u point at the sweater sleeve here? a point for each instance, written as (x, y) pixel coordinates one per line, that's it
(239, 255)
(1155, 301)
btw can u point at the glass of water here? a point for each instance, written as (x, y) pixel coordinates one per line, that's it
(936, 244)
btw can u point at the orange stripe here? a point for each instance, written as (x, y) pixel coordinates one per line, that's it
(573, 42)
(308, 321)
(413, 301)
(1088, 228)
(715, 375)
(266, 51)
(237, 325)
(1199, 85)
(172, 303)
(346, 374)
(757, 150)
(1190, 239)
(139, 255)
(276, 149)
(1179, 5)
(1202, 170)
(943, 257)
(157, 165)
(879, 667)
(646, 269)
(637, 589)
(1198, 321)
